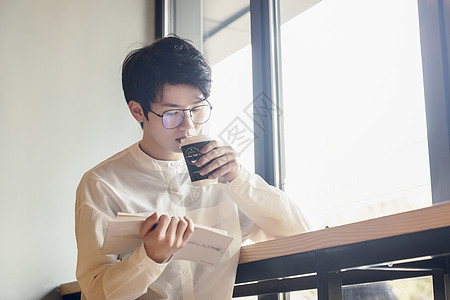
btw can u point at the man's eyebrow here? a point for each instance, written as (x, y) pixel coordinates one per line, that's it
(173, 105)
(170, 105)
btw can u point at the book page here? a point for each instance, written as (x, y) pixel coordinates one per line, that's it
(206, 245)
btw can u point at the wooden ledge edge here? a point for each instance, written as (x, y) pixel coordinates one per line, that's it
(430, 217)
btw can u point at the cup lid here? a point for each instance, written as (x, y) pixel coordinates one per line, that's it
(194, 139)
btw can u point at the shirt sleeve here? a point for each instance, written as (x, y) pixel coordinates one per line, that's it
(269, 209)
(105, 276)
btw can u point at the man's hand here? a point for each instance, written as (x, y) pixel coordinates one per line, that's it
(223, 160)
(164, 235)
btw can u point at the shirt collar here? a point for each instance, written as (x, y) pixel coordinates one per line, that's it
(154, 164)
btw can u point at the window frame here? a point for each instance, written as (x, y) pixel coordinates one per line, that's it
(434, 23)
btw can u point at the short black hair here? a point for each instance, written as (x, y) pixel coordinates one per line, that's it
(169, 60)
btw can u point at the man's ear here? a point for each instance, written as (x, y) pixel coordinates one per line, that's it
(136, 110)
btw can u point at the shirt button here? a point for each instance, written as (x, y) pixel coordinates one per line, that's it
(185, 273)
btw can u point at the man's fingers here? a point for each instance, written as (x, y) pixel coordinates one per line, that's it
(219, 162)
(163, 224)
(182, 225)
(211, 145)
(171, 232)
(221, 171)
(149, 223)
(214, 154)
(189, 230)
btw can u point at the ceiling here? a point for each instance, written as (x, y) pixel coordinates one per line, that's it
(226, 24)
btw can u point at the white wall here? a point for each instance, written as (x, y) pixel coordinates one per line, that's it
(61, 112)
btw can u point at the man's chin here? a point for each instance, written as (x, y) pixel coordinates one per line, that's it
(177, 151)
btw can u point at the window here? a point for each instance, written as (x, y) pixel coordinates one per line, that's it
(226, 46)
(354, 110)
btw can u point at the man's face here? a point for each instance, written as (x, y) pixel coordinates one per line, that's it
(162, 143)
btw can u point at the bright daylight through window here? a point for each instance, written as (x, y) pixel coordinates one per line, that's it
(354, 111)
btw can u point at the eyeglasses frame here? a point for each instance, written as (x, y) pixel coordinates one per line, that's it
(183, 110)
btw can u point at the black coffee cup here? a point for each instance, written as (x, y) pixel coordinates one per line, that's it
(191, 148)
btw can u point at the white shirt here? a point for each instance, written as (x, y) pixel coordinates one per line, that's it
(133, 182)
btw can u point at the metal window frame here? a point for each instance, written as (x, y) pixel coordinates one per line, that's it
(434, 20)
(183, 18)
(163, 18)
(267, 91)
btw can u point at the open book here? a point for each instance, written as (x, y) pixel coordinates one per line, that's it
(206, 245)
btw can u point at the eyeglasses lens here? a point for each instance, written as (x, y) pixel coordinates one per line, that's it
(173, 118)
(199, 115)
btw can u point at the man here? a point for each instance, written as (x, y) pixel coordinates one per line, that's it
(166, 86)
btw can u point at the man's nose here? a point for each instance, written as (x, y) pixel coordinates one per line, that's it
(187, 122)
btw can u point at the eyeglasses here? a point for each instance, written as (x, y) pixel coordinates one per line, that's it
(199, 114)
